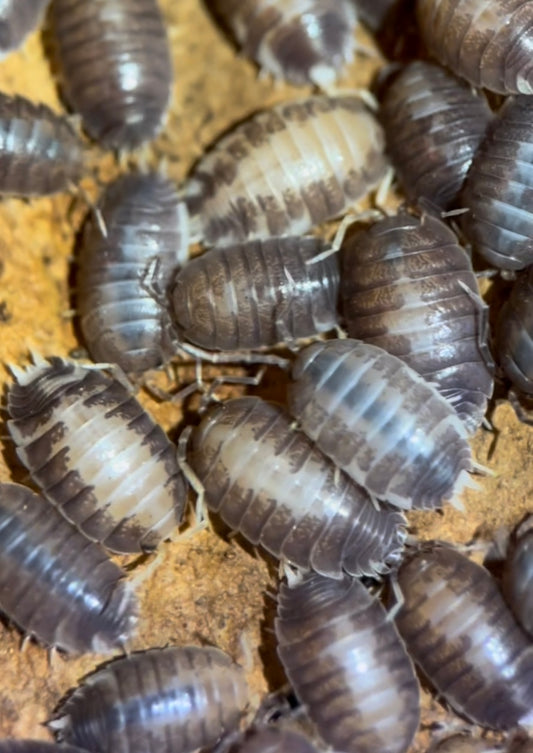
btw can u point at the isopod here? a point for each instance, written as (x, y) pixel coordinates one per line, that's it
(409, 288)
(96, 454)
(169, 700)
(55, 584)
(433, 125)
(299, 41)
(381, 422)
(35, 746)
(122, 321)
(286, 169)
(270, 483)
(347, 665)
(40, 154)
(18, 18)
(488, 45)
(115, 67)
(498, 189)
(256, 294)
(461, 633)
(271, 740)
(514, 337)
(465, 744)
(518, 575)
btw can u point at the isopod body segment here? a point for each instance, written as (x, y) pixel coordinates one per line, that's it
(17, 19)
(171, 700)
(518, 574)
(55, 584)
(514, 335)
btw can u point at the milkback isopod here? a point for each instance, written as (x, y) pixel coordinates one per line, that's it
(115, 67)
(518, 574)
(381, 422)
(409, 288)
(169, 700)
(514, 343)
(123, 321)
(256, 294)
(269, 482)
(54, 583)
(17, 19)
(286, 169)
(458, 628)
(300, 41)
(347, 665)
(96, 454)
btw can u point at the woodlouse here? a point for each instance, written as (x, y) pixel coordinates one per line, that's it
(169, 700)
(409, 288)
(35, 746)
(40, 154)
(465, 744)
(55, 584)
(498, 190)
(115, 66)
(18, 18)
(347, 665)
(459, 630)
(518, 574)
(300, 41)
(286, 169)
(270, 740)
(514, 341)
(381, 422)
(256, 294)
(269, 482)
(96, 454)
(121, 320)
(433, 125)
(487, 44)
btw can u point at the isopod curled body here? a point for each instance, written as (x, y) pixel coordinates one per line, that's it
(170, 700)
(122, 321)
(381, 422)
(518, 575)
(269, 482)
(55, 584)
(409, 288)
(285, 170)
(96, 454)
(433, 125)
(514, 336)
(115, 67)
(461, 633)
(17, 19)
(40, 154)
(347, 665)
(299, 41)
(488, 45)
(256, 294)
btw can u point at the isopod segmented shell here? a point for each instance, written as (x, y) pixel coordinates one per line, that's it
(17, 19)
(518, 575)
(514, 336)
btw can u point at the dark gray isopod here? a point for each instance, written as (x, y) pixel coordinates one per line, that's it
(459, 630)
(147, 238)
(433, 123)
(55, 584)
(17, 19)
(514, 337)
(35, 746)
(381, 422)
(270, 740)
(96, 454)
(40, 154)
(409, 288)
(347, 665)
(299, 41)
(256, 294)
(498, 190)
(115, 67)
(169, 700)
(269, 482)
(518, 574)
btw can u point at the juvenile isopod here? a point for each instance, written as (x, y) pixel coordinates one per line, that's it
(518, 574)
(488, 44)
(461, 633)
(115, 67)
(381, 422)
(18, 18)
(56, 585)
(268, 740)
(269, 482)
(96, 454)
(498, 189)
(256, 294)
(40, 154)
(170, 700)
(433, 123)
(299, 41)
(348, 665)
(122, 315)
(286, 169)
(514, 336)
(409, 288)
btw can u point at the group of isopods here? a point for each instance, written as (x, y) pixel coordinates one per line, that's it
(377, 422)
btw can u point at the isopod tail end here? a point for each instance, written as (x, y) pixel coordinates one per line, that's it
(482, 470)
(18, 373)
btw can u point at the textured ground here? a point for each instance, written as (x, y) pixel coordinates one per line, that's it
(206, 589)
